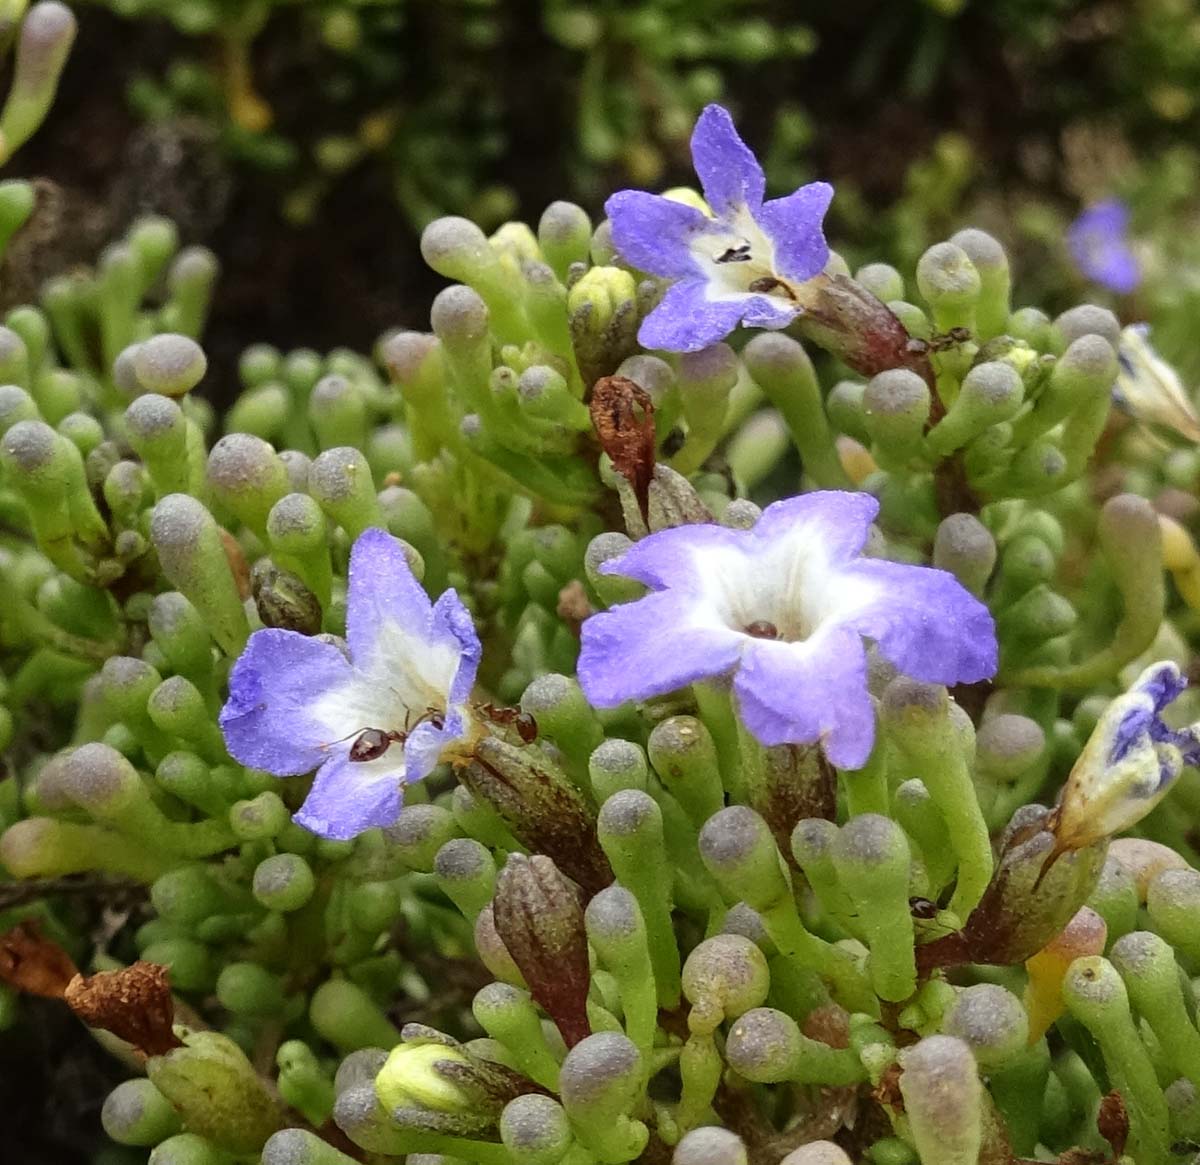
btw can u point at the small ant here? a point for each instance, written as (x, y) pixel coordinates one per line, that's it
(922, 908)
(372, 743)
(939, 343)
(523, 722)
(769, 283)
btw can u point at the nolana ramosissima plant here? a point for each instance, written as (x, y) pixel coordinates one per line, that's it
(587, 733)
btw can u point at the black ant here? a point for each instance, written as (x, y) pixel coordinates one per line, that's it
(922, 908)
(939, 343)
(523, 722)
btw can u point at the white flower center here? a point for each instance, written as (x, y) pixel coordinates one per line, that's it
(738, 259)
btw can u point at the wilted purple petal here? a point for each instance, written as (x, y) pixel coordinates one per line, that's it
(729, 173)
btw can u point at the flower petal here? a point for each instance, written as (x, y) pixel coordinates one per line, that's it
(729, 172)
(654, 234)
(793, 225)
(835, 523)
(382, 591)
(769, 311)
(675, 557)
(686, 320)
(348, 797)
(925, 621)
(649, 647)
(271, 719)
(1097, 242)
(452, 626)
(816, 690)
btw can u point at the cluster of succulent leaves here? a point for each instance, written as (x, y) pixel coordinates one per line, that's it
(602, 941)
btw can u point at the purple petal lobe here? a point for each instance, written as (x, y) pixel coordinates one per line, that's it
(654, 234)
(270, 719)
(650, 647)
(675, 557)
(729, 172)
(769, 311)
(686, 320)
(802, 693)
(453, 626)
(382, 590)
(1098, 244)
(925, 621)
(835, 522)
(794, 225)
(348, 797)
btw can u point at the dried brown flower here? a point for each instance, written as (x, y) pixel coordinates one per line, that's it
(623, 417)
(133, 1003)
(32, 963)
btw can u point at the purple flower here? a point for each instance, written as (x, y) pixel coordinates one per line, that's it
(785, 608)
(740, 264)
(1129, 763)
(385, 716)
(1098, 243)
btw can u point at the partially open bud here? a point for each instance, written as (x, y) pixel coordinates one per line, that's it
(723, 978)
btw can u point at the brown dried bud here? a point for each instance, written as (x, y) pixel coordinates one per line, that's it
(540, 920)
(133, 1003)
(34, 964)
(623, 416)
(1113, 1122)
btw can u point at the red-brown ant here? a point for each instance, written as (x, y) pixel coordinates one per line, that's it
(372, 743)
(769, 283)
(523, 722)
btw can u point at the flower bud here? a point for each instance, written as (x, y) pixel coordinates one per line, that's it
(615, 765)
(871, 859)
(340, 480)
(136, 1113)
(616, 929)
(819, 1153)
(283, 882)
(15, 405)
(600, 1084)
(456, 248)
(1096, 997)
(248, 989)
(337, 411)
(493, 954)
(540, 921)
(990, 394)
(193, 558)
(630, 829)
(282, 599)
(1173, 902)
(178, 708)
(348, 1018)
(535, 1129)
(684, 756)
(767, 1047)
(602, 312)
(187, 1149)
(45, 39)
(966, 548)
(724, 977)
(466, 874)
(990, 1021)
(508, 1016)
(564, 236)
(1088, 319)
(951, 285)
(943, 1100)
(881, 280)
(561, 713)
(216, 1091)
(895, 411)
(710, 1146)
(169, 364)
(300, 1147)
(411, 1078)
(260, 818)
(247, 477)
(297, 531)
(1153, 980)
